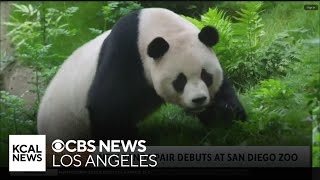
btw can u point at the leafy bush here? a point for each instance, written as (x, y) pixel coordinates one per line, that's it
(269, 91)
(26, 28)
(267, 105)
(291, 15)
(36, 27)
(275, 117)
(172, 126)
(54, 26)
(244, 65)
(278, 57)
(248, 28)
(115, 10)
(314, 111)
(245, 58)
(95, 31)
(13, 116)
(231, 10)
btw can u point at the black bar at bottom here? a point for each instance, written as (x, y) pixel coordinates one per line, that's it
(260, 173)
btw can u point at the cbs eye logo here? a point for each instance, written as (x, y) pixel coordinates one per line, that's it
(73, 146)
(57, 145)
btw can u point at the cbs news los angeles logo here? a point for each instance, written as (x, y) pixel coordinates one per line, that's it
(28, 153)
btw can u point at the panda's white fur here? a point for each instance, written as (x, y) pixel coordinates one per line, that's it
(62, 112)
(186, 54)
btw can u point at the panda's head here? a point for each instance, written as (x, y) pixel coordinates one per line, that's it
(183, 68)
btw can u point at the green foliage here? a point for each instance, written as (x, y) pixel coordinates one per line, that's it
(281, 54)
(270, 91)
(88, 15)
(35, 55)
(46, 75)
(95, 31)
(316, 156)
(13, 116)
(291, 15)
(27, 29)
(314, 105)
(172, 126)
(242, 62)
(248, 28)
(313, 96)
(230, 9)
(36, 28)
(35, 31)
(115, 10)
(245, 58)
(54, 26)
(274, 114)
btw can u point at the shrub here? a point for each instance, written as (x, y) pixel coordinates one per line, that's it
(278, 57)
(33, 27)
(115, 10)
(14, 118)
(245, 58)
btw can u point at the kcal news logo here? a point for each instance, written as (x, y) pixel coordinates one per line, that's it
(27, 153)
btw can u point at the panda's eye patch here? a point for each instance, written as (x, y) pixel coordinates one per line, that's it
(180, 82)
(206, 77)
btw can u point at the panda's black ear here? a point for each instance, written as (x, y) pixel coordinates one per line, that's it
(209, 36)
(157, 48)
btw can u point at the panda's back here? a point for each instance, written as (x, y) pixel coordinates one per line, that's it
(66, 95)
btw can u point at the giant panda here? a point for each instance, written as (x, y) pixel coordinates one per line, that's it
(150, 57)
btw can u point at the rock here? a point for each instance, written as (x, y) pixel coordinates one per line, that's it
(16, 80)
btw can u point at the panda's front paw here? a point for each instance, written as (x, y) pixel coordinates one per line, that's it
(241, 115)
(237, 111)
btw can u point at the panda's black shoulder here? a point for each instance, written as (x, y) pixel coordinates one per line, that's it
(123, 36)
(119, 65)
(119, 84)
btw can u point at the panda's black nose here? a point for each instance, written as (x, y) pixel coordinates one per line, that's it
(199, 100)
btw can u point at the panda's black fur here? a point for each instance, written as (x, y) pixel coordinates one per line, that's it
(119, 95)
